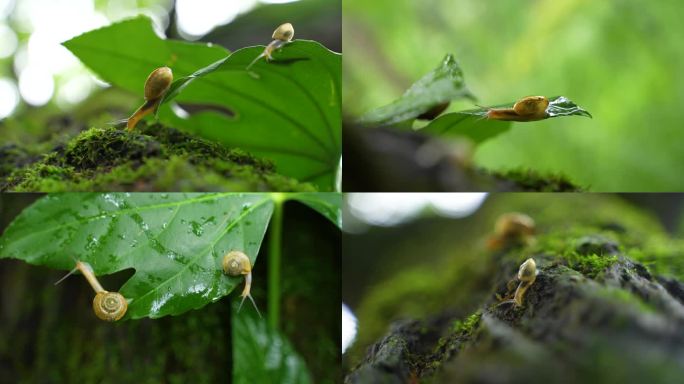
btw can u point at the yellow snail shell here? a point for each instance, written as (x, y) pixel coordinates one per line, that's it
(285, 32)
(236, 263)
(109, 306)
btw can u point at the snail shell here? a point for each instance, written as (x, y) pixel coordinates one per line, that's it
(158, 82)
(236, 263)
(109, 306)
(531, 106)
(528, 271)
(285, 32)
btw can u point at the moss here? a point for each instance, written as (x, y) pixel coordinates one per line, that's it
(152, 158)
(529, 180)
(466, 326)
(590, 265)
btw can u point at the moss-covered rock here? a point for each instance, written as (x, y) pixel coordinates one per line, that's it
(607, 304)
(152, 158)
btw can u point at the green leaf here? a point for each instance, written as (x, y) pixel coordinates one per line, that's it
(474, 124)
(464, 124)
(175, 242)
(262, 355)
(125, 53)
(327, 204)
(443, 84)
(286, 110)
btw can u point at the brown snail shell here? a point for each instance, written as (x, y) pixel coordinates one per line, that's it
(158, 82)
(236, 263)
(109, 306)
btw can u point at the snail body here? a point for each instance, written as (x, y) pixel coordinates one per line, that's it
(108, 306)
(236, 263)
(530, 108)
(156, 85)
(281, 36)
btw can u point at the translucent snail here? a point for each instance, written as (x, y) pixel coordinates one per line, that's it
(236, 263)
(108, 306)
(281, 36)
(156, 85)
(527, 274)
(530, 108)
(512, 229)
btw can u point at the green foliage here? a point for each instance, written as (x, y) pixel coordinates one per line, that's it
(441, 85)
(262, 355)
(287, 110)
(175, 242)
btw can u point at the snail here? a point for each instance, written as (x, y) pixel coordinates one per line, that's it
(530, 108)
(108, 306)
(156, 85)
(281, 36)
(512, 229)
(527, 274)
(236, 263)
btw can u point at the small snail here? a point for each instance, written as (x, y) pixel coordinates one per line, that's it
(156, 85)
(527, 274)
(281, 36)
(108, 306)
(236, 263)
(530, 108)
(512, 229)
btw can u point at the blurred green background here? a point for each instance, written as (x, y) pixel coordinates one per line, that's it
(619, 59)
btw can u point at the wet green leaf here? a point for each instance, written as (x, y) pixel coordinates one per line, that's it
(474, 124)
(262, 355)
(286, 110)
(327, 204)
(125, 53)
(444, 84)
(175, 242)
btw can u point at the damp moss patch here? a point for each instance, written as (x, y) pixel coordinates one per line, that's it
(532, 181)
(151, 158)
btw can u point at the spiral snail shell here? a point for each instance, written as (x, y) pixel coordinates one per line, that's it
(156, 85)
(529, 108)
(236, 263)
(109, 306)
(527, 274)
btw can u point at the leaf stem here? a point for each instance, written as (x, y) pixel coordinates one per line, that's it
(274, 256)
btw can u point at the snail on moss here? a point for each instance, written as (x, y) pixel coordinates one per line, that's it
(530, 108)
(512, 229)
(236, 263)
(156, 85)
(108, 306)
(281, 36)
(527, 274)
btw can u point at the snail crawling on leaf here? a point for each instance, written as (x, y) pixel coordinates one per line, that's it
(530, 108)
(281, 36)
(108, 306)
(236, 263)
(156, 85)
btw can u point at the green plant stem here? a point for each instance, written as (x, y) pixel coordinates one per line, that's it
(274, 253)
